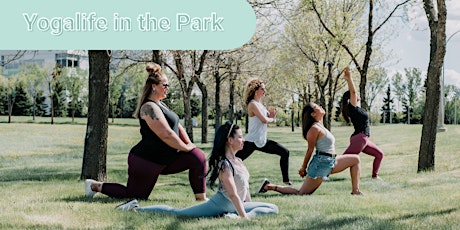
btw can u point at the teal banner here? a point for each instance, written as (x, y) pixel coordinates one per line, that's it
(126, 25)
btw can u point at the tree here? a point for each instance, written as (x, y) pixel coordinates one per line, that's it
(35, 76)
(452, 104)
(408, 89)
(188, 69)
(345, 42)
(95, 151)
(387, 108)
(11, 94)
(437, 22)
(74, 79)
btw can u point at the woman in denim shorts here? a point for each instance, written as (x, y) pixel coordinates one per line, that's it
(324, 161)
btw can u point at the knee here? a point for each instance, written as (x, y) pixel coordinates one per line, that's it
(357, 159)
(198, 156)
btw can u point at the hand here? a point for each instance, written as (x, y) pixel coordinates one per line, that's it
(302, 172)
(272, 112)
(347, 74)
(190, 147)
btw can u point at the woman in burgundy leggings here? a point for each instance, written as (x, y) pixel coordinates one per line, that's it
(359, 140)
(165, 147)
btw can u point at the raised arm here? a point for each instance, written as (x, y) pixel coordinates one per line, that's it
(152, 114)
(351, 87)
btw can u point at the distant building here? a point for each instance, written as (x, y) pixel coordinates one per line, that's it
(11, 60)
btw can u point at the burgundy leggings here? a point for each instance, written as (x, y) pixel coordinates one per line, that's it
(143, 175)
(361, 143)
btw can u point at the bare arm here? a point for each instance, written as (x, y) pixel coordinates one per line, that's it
(152, 114)
(226, 177)
(351, 87)
(183, 135)
(254, 110)
(312, 137)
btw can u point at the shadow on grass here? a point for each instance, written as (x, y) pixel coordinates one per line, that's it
(390, 223)
(38, 174)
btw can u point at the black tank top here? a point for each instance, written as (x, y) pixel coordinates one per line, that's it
(359, 119)
(151, 147)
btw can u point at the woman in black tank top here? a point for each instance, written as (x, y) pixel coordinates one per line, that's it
(165, 147)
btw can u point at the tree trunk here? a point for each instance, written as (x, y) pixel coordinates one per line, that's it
(95, 152)
(218, 117)
(437, 23)
(204, 115)
(232, 98)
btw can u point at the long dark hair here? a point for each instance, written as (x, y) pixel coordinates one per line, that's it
(307, 119)
(344, 106)
(218, 150)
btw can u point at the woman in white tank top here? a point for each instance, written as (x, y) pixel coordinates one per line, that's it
(259, 117)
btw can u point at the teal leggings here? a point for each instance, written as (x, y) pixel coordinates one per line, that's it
(216, 206)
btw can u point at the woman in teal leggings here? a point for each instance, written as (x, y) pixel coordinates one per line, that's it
(233, 198)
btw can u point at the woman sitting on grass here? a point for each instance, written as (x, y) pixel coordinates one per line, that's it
(233, 198)
(324, 162)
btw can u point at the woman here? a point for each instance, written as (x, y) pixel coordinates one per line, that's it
(259, 117)
(324, 162)
(165, 147)
(359, 140)
(233, 196)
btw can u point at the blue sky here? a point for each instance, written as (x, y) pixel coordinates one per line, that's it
(411, 44)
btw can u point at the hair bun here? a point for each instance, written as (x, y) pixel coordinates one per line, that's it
(153, 68)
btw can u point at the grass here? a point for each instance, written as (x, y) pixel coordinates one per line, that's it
(40, 166)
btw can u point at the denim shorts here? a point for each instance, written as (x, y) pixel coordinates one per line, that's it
(320, 166)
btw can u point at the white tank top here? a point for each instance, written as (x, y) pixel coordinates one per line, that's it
(257, 131)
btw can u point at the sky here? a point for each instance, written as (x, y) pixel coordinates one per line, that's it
(411, 44)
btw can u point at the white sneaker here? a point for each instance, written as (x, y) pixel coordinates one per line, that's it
(231, 216)
(89, 192)
(128, 206)
(376, 178)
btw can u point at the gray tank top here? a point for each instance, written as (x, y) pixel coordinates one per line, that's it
(325, 143)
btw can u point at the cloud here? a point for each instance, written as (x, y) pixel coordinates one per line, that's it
(451, 77)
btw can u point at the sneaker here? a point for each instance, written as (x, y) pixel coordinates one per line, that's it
(128, 206)
(377, 178)
(262, 186)
(89, 192)
(231, 216)
(326, 178)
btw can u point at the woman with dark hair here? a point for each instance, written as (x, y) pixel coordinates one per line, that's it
(359, 140)
(233, 198)
(165, 147)
(259, 117)
(324, 161)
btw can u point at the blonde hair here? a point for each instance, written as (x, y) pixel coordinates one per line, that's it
(154, 76)
(251, 88)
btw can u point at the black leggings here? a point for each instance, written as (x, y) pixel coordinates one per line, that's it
(271, 147)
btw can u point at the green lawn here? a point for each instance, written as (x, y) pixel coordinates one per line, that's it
(40, 166)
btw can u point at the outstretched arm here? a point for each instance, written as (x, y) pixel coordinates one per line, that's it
(351, 87)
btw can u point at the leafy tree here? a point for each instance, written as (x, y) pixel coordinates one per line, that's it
(75, 81)
(452, 104)
(348, 41)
